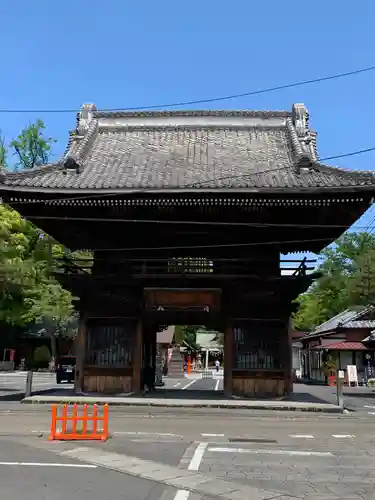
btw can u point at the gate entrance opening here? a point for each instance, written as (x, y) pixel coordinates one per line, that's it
(172, 367)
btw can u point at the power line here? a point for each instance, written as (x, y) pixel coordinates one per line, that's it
(206, 100)
(206, 181)
(219, 245)
(188, 222)
(345, 155)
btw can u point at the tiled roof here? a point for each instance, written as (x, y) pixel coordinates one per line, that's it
(256, 150)
(366, 323)
(165, 336)
(344, 346)
(350, 318)
(370, 338)
(208, 340)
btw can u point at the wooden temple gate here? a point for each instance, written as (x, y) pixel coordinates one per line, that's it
(185, 215)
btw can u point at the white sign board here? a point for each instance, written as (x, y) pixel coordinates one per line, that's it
(352, 374)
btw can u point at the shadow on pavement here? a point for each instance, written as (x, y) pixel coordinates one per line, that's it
(318, 395)
(367, 395)
(306, 397)
(18, 396)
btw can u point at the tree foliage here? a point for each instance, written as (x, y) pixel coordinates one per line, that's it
(30, 296)
(188, 334)
(346, 281)
(3, 152)
(31, 148)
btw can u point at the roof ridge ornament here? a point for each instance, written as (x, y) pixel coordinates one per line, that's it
(85, 116)
(305, 136)
(81, 138)
(300, 117)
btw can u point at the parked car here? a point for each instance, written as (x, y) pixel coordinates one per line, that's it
(65, 370)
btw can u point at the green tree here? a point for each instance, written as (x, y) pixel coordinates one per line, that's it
(30, 296)
(219, 338)
(3, 152)
(28, 292)
(361, 285)
(337, 289)
(188, 334)
(32, 148)
(42, 354)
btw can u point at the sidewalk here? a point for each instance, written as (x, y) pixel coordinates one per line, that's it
(223, 403)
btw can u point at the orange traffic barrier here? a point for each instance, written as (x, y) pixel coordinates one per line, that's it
(74, 426)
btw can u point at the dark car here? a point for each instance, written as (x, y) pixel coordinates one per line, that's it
(65, 370)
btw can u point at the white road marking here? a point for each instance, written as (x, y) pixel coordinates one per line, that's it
(197, 457)
(176, 385)
(212, 435)
(367, 406)
(273, 452)
(217, 385)
(371, 413)
(189, 384)
(301, 436)
(167, 434)
(343, 436)
(193, 465)
(182, 495)
(48, 464)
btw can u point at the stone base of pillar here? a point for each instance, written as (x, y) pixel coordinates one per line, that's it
(257, 387)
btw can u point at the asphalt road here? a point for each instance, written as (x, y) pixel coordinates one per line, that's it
(199, 456)
(13, 384)
(357, 399)
(31, 473)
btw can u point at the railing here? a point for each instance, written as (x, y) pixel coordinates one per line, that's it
(301, 269)
(66, 265)
(197, 267)
(204, 267)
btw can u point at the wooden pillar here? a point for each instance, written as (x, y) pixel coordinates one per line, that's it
(288, 358)
(137, 358)
(228, 359)
(80, 351)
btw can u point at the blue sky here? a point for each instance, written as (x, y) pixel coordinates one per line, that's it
(119, 53)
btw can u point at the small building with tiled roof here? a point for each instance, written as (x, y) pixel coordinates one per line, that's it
(347, 338)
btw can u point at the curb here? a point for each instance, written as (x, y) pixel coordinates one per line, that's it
(145, 404)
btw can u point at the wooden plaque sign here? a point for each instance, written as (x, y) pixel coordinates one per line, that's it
(163, 299)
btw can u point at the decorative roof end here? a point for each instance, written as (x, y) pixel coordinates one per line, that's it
(306, 137)
(85, 116)
(304, 164)
(71, 164)
(300, 117)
